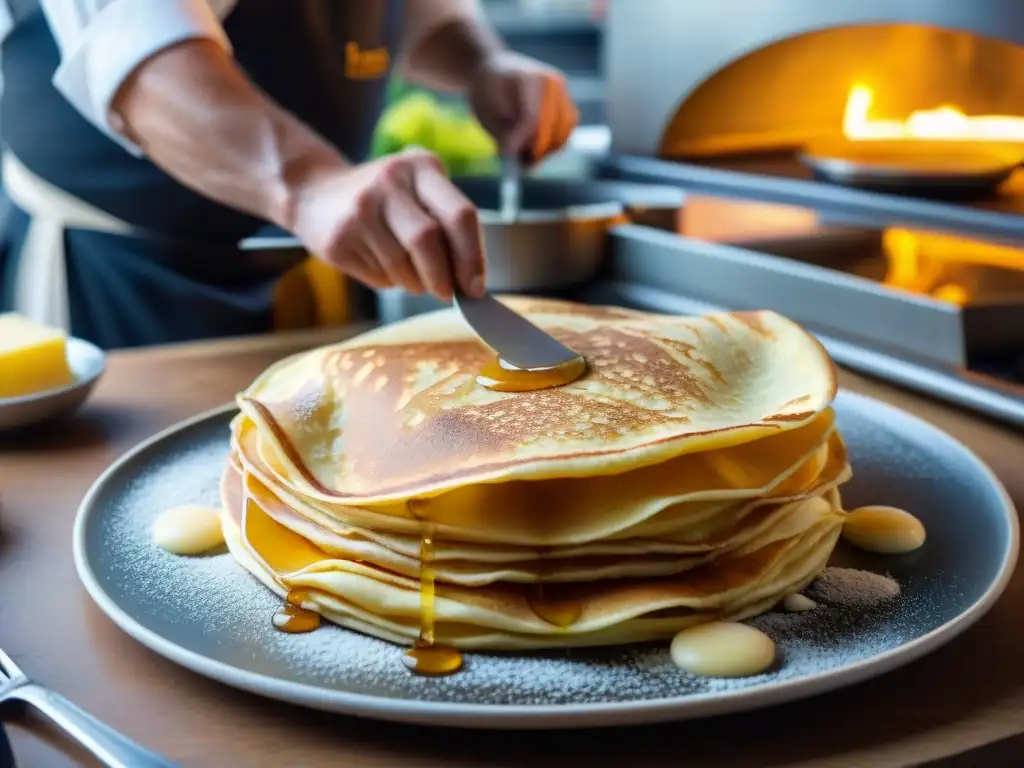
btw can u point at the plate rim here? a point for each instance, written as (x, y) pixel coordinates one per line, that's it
(79, 383)
(543, 716)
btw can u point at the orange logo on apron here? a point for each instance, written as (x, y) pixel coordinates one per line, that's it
(365, 65)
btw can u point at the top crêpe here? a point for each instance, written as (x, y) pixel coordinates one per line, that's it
(397, 414)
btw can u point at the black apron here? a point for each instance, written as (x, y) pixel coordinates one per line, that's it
(183, 276)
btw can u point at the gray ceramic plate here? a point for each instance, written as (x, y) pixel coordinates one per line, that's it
(211, 617)
(87, 362)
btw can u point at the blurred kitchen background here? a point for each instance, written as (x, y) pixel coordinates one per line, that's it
(565, 33)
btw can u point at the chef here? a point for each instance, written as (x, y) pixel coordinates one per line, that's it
(144, 140)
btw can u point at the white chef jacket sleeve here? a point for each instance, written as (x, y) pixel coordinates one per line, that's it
(424, 16)
(103, 41)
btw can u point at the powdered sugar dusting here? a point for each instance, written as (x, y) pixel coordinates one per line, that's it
(212, 606)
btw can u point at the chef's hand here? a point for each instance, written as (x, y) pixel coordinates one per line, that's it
(524, 104)
(396, 221)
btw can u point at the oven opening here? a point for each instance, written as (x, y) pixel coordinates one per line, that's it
(950, 268)
(861, 83)
(954, 269)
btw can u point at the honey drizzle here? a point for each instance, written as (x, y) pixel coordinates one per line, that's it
(427, 657)
(427, 591)
(292, 617)
(561, 612)
(504, 377)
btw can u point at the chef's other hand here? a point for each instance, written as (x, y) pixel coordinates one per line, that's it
(524, 104)
(396, 221)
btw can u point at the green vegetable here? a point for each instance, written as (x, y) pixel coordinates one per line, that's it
(417, 118)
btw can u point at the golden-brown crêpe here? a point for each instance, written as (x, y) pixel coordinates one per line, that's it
(397, 413)
(702, 529)
(652, 501)
(475, 566)
(691, 475)
(508, 616)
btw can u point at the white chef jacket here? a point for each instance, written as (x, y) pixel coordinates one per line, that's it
(103, 41)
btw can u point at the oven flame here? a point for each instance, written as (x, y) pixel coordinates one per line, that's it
(950, 268)
(910, 269)
(946, 123)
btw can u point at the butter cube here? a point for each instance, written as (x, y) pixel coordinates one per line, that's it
(33, 357)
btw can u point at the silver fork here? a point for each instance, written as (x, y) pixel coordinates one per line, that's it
(103, 742)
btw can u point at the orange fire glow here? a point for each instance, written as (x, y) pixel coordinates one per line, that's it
(946, 122)
(921, 261)
(926, 262)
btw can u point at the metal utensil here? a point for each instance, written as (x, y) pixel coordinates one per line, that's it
(511, 188)
(559, 237)
(512, 336)
(516, 340)
(102, 741)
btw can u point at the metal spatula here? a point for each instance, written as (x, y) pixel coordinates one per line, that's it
(512, 336)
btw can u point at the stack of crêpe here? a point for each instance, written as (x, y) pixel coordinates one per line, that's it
(690, 475)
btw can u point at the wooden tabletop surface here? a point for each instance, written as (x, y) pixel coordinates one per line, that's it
(969, 693)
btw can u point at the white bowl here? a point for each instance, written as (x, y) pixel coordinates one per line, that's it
(87, 363)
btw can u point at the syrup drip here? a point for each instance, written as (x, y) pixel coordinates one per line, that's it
(427, 657)
(561, 613)
(427, 591)
(505, 377)
(293, 618)
(432, 660)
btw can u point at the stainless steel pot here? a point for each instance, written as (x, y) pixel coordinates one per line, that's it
(559, 238)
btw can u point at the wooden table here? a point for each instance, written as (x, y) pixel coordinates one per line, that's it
(969, 693)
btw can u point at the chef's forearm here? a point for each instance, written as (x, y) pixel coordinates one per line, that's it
(196, 115)
(443, 51)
